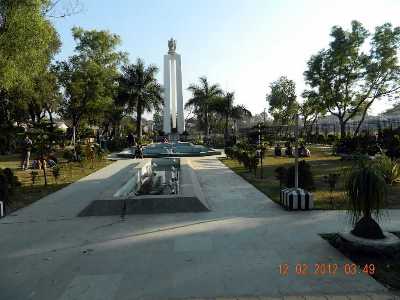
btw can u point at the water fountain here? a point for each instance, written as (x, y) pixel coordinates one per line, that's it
(173, 149)
(157, 185)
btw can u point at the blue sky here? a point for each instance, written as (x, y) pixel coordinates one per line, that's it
(241, 44)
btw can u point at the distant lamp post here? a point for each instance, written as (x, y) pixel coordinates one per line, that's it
(264, 115)
(296, 198)
(261, 152)
(296, 153)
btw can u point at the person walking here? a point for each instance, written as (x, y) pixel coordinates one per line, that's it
(140, 151)
(27, 148)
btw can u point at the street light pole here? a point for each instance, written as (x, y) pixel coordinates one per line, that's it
(260, 150)
(296, 153)
(264, 116)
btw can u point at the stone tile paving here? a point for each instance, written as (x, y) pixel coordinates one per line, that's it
(326, 297)
(233, 251)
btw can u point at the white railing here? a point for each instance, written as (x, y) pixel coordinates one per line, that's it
(1, 209)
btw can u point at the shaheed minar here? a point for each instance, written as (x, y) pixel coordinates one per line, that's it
(173, 119)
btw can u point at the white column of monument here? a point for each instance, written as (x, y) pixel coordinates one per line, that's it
(173, 91)
(179, 100)
(167, 96)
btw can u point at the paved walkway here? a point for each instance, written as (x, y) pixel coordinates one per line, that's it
(233, 251)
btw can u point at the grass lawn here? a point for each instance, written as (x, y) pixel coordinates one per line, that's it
(322, 163)
(28, 192)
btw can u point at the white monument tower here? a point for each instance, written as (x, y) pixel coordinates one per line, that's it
(173, 98)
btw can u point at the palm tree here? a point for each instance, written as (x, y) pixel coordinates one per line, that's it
(203, 96)
(224, 106)
(139, 90)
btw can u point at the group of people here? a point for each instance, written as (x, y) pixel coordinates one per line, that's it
(38, 163)
(302, 151)
(138, 151)
(131, 141)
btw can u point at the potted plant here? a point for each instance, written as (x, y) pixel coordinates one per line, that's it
(366, 192)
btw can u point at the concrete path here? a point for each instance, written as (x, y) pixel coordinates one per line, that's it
(234, 251)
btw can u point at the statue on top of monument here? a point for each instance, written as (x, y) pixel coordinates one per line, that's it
(171, 46)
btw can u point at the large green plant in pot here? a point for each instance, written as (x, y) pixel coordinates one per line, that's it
(366, 193)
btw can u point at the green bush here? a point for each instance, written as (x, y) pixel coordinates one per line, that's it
(8, 183)
(321, 139)
(229, 152)
(332, 139)
(359, 144)
(253, 162)
(281, 175)
(245, 154)
(393, 147)
(306, 180)
(100, 153)
(332, 179)
(56, 172)
(68, 154)
(117, 144)
(389, 168)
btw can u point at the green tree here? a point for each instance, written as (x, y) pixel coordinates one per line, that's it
(112, 120)
(140, 90)
(282, 100)
(224, 106)
(311, 109)
(203, 96)
(347, 80)
(44, 98)
(158, 121)
(28, 42)
(90, 76)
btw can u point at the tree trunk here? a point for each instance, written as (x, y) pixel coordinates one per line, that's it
(362, 120)
(43, 161)
(342, 128)
(51, 119)
(207, 129)
(139, 123)
(226, 132)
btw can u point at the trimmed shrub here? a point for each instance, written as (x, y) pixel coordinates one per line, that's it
(306, 180)
(393, 147)
(229, 152)
(8, 183)
(68, 155)
(56, 172)
(332, 139)
(358, 144)
(117, 144)
(389, 168)
(321, 139)
(281, 175)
